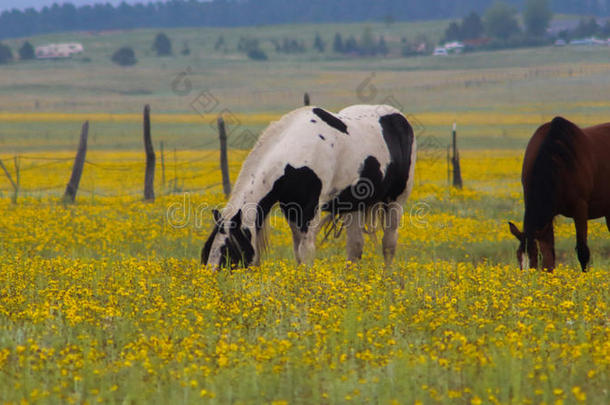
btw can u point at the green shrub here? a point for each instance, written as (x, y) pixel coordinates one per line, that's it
(125, 57)
(6, 55)
(26, 52)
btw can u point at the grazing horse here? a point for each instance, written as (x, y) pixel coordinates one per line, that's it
(566, 170)
(313, 161)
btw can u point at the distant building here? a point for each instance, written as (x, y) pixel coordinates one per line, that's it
(588, 41)
(476, 43)
(454, 47)
(449, 48)
(440, 51)
(58, 51)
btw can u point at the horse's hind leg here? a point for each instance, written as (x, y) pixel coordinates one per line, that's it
(391, 222)
(580, 222)
(354, 226)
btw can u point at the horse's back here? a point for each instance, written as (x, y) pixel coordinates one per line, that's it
(600, 133)
(581, 160)
(598, 147)
(362, 141)
(383, 132)
(337, 144)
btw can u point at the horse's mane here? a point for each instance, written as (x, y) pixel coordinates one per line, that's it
(263, 144)
(556, 154)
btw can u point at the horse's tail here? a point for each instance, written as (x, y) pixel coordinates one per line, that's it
(373, 217)
(332, 224)
(557, 153)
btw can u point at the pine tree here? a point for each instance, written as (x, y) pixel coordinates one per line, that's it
(6, 55)
(382, 47)
(162, 45)
(338, 45)
(319, 43)
(26, 52)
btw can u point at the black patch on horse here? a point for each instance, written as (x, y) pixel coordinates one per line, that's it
(361, 195)
(556, 154)
(331, 120)
(205, 252)
(372, 186)
(322, 137)
(398, 136)
(237, 249)
(298, 192)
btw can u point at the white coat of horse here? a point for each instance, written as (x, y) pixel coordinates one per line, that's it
(312, 161)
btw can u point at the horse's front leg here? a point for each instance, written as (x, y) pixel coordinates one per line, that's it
(580, 223)
(306, 251)
(354, 225)
(547, 247)
(391, 222)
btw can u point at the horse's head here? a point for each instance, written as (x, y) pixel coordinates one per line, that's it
(230, 245)
(530, 247)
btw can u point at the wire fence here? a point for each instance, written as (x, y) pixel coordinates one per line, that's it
(117, 174)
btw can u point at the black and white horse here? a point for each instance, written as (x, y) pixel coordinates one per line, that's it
(313, 161)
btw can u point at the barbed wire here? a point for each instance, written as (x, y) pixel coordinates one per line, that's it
(37, 167)
(170, 187)
(48, 188)
(107, 167)
(26, 157)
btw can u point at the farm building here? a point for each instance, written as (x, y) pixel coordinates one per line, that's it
(58, 51)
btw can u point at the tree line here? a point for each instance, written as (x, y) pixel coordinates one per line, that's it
(500, 25)
(124, 56)
(185, 13)
(26, 52)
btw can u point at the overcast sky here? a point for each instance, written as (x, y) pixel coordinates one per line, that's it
(21, 4)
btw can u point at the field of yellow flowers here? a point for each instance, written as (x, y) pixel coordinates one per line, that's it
(104, 301)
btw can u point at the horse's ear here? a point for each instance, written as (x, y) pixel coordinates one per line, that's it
(216, 215)
(515, 231)
(236, 220)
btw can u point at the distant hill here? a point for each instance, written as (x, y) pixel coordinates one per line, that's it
(188, 13)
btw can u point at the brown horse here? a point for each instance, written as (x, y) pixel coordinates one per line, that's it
(566, 171)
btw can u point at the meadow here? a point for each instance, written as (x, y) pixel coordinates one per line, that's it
(105, 301)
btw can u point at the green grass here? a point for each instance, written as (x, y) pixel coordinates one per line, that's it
(487, 80)
(545, 81)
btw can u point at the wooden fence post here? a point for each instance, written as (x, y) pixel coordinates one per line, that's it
(77, 168)
(149, 178)
(306, 99)
(175, 188)
(17, 178)
(10, 178)
(457, 172)
(162, 167)
(224, 159)
(448, 164)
